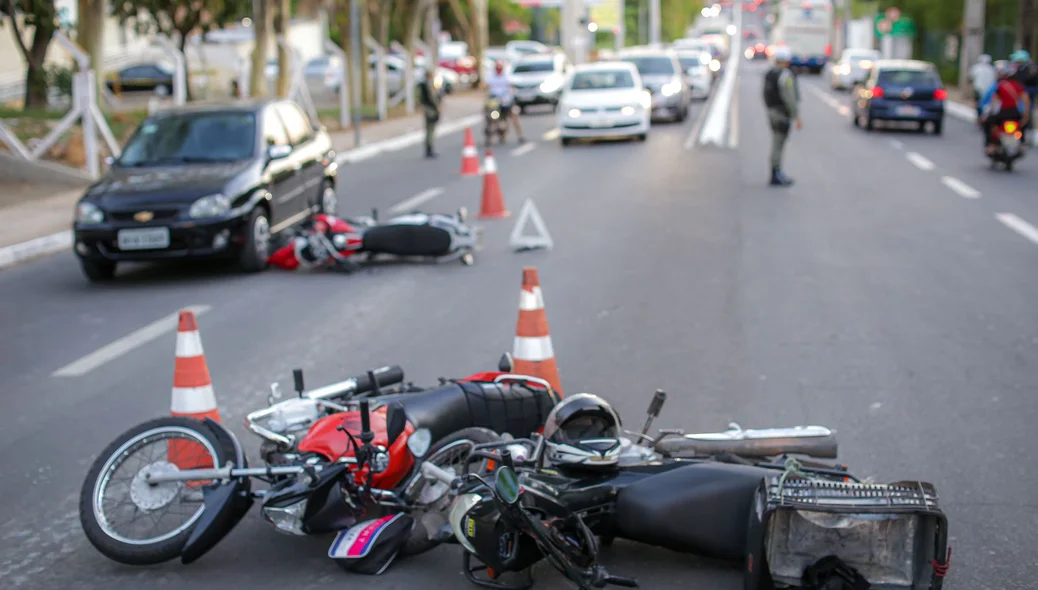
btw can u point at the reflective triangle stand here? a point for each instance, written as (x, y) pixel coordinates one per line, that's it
(542, 239)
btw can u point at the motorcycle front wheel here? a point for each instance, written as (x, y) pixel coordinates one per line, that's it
(132, 521)
(450, 453)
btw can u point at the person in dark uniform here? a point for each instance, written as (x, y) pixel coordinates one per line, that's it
(430, 99)
(782, 98)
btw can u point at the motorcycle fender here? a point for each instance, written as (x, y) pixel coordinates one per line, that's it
(225, 505)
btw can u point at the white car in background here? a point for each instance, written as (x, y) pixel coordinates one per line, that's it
(604, 99)
(696, 64)
(853, 68)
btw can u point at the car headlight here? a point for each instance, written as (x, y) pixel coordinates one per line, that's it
(671, 88)
(551, 85)
(704, 59)
(627, 111)
(715, 66)
(646, 100)
(574, 113)
(89, 213)
(210, 206)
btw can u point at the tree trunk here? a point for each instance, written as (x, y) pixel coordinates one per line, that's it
(263, 23)
(35, 76)
(285, 61)
(90, 35)
(181, 44)
(1027, 25)
(308, 8)
(367, 81)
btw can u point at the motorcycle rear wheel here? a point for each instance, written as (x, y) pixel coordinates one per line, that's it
(145, 499)
(445, 453)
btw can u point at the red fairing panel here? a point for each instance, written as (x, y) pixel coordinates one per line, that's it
(285, 257)
(325, 439)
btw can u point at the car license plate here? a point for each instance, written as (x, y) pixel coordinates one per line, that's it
(601, 122)
(908, 111)
(152, 238)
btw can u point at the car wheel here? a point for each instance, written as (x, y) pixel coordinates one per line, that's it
(162, 90)
(522, 109)
(938, 127)
(328, 201)
(254, 252)
(97, 271)
(643, 136)
(869, 123)
(566, 141)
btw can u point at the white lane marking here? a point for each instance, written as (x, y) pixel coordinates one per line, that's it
(844, 111)
(524, 149)
(964, 190)
(1019, 226)
(411, 203)
(551, 134)
(125, 344)
(898, 145)
(919, 161)
(365, 152)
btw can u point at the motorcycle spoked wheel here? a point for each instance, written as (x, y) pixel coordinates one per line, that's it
(451, 453)
(147, 503)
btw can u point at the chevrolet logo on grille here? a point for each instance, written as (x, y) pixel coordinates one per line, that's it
(144, 216)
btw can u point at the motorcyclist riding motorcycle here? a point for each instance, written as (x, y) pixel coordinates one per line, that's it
(500, 88)
(1013, 104)
(1026, 73)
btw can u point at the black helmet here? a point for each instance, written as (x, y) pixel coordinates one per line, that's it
(583, 430)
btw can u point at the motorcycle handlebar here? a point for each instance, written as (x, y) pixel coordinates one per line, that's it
(360, 384)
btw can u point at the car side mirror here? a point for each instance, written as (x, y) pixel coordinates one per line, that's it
(276, 152)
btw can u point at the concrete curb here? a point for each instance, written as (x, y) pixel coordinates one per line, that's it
(43, 246)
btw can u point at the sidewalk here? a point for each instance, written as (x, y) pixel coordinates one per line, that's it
(35, 218)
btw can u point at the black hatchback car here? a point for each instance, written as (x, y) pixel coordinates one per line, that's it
(206, 181)
(900, 90)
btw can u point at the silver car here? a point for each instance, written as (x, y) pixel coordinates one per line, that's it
(853, 68)
(538, 79)
(665, 80)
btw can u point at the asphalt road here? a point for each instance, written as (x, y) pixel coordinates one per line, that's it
(870, 297)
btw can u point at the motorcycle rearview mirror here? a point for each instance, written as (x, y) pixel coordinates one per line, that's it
(658, 399)
(506, 364)
(419, 442)
(396, 421)
(297, 378)
(507, 485)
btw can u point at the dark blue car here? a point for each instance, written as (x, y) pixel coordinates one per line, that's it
(901, 90)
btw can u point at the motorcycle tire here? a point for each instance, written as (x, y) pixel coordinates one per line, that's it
(164, 548)
(420, 541)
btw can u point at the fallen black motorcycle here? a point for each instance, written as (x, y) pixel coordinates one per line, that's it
(737, 496)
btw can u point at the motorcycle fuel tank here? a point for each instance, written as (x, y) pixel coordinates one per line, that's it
(327, 440)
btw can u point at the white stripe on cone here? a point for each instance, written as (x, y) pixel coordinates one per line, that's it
(531, 300)
(469, 151)
(193, 400)
(533, 349)
(189, 344)
(489, 166)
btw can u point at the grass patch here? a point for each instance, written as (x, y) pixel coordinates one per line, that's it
(32, 114)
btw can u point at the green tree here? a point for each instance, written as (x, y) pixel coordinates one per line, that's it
(41, 17)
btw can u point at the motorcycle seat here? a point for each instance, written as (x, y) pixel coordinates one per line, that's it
(702, 508)
(503, 408)
(407, 240)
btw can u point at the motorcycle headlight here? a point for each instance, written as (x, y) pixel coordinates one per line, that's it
(671, 88)
(89, 213)
(210, 206)
(462, 526)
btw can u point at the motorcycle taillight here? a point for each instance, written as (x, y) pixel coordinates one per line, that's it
(1010, 127)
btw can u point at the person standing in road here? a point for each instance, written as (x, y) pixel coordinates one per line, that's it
(982, 76)
(430, 99)
(782, 98)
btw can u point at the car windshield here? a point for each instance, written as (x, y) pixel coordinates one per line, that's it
(856, 59)
(192, 137)
(602, 80)
(652, 65)
(691, 60)
(535, 66)
(908, 78)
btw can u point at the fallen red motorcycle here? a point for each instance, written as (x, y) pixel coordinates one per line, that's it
(366, 457)
(334, 243)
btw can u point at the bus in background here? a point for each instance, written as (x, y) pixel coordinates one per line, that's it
(806, 28)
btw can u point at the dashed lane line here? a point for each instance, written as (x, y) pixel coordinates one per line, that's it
(919, 161)
(551, 134)
(1019, 226)
(523, 149)
(964, 190)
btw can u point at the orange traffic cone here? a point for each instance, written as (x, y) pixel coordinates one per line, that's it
(469, 155)
(193, 394)
(493, 202)
(532, 353)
